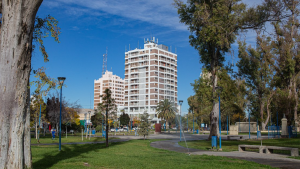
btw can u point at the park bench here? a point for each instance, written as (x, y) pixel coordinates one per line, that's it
(294, 151)
(260, 148)
(230, 136)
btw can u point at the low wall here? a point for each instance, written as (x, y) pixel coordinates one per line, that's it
(244, 126)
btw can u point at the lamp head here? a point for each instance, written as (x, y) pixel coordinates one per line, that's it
(61, 80)
(180, 102)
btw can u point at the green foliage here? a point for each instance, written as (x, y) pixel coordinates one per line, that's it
(166, 109)
(213, 26)
(108, 105)
(98, 128)
(97, 119)
(232, 96)
(124, 119)
(144, 126)
(42, 28)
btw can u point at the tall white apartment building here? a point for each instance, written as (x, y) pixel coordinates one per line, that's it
(114, 83)
(150, 76)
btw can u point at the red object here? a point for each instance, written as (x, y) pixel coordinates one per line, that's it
(158, 127)
(50, 127)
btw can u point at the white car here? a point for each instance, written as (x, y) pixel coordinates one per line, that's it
(120, 129)
(112, 129)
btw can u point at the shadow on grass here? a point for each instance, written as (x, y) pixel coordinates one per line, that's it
(68, 151)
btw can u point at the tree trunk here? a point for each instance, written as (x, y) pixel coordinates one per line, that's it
(296, 103)
(36, 128)
(261, 112)
(106, 129)
(15, 64)
(27, 136)
(214, 115)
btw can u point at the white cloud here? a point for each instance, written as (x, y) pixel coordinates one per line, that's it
(158, 12)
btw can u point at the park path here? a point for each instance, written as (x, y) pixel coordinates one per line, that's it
(274, 160)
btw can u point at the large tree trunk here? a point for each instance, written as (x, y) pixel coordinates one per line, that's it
(261, 111)
(214, 115)
(15, 64)
(27, 136)
(296, 103)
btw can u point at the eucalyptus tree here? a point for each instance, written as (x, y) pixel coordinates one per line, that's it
(287, 59)
(255, 66)
(213, 26)
(108, 105)
(17, 28)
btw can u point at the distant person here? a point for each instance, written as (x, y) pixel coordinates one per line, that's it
(53, 134)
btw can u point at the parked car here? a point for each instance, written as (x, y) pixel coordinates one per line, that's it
(112, 129)
(174, 128)
(120, 129)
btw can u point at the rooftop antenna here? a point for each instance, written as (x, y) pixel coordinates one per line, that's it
(104, 66)
(129, 46)
(125, 48)
(175, 50)
(157, 40)
(170, 48)
(138, 44)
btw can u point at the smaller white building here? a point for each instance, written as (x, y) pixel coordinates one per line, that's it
(112, 82)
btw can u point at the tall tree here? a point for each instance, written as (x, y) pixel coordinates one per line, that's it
(166, 110)
(213, 26)
(144, 127)
(109, 106)
(17, 26)
(124, 119)
(255, 66)
(287, 55)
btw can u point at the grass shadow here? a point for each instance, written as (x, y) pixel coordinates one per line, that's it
(51, 157)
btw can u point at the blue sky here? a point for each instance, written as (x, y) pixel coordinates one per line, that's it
(88, 27)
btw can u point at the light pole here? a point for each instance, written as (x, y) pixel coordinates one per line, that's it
(219, 87)
(187, 122)
(249, 120)
(193, 122)
(89, 124)
(180, 103)
(61, 83)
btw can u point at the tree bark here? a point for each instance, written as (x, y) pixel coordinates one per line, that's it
(27, 136)
(15, 64)
(214, 115)
(296, 103)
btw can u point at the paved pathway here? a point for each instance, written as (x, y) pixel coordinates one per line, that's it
(274, 160)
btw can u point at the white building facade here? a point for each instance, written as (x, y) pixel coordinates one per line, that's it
(112, 82)
(150, 76)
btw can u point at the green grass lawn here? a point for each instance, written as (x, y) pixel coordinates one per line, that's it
(131, 154)
(233, 145)
(70, 139)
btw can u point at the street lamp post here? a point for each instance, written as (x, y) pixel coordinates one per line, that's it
(89, 124)
(219, 87)
(187, 122)
(180, 103)
(61, 83)
(193, 122)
